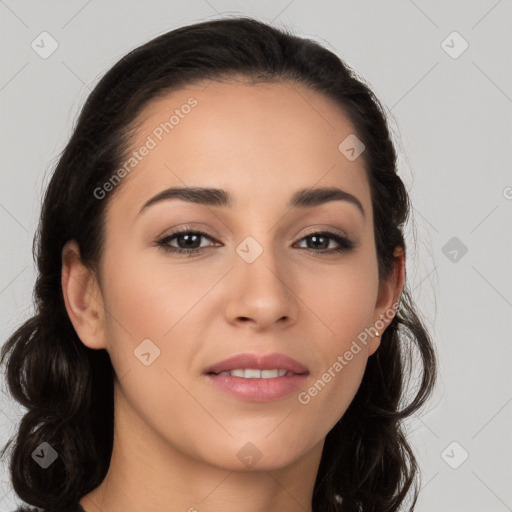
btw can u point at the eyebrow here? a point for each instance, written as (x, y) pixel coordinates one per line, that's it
(304, 198)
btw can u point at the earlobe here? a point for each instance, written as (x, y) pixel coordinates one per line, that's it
(82, 297)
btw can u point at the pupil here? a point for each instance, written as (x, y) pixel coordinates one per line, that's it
(315, 237)
(187, 238)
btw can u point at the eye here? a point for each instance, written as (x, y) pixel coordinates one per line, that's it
(189, 242)
(322, 239)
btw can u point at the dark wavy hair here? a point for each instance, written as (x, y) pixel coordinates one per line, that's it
(367, 464)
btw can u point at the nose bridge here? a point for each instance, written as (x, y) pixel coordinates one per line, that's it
(258, 260)
(262, 291)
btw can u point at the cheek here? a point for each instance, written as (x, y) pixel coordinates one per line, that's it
(331, 390)
(146, 325)
(154, 317)
(146, 299)
(344, 301)
(343, 297)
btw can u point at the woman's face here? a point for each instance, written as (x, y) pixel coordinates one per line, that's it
(257, 282)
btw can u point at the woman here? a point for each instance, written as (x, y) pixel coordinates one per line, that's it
(223, 318)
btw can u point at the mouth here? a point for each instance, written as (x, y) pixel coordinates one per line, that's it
(257, 377)
(258, 366)
(254, 373)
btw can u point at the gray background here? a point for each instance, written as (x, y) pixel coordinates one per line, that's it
(451, 118)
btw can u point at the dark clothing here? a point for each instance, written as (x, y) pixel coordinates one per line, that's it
(76, 508)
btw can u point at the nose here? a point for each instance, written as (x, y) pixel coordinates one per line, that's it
(262, 293)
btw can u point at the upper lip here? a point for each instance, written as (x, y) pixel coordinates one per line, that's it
(259, 362)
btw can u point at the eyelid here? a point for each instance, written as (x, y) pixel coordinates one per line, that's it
(186, 228)
(318, 229)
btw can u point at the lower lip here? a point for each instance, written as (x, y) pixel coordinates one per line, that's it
(258, 390)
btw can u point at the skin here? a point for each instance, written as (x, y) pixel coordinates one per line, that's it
(176, 436)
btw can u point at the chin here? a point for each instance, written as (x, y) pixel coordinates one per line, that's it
(258, 452)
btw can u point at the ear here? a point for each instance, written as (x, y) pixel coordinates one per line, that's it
(388, 297)
(82, 297)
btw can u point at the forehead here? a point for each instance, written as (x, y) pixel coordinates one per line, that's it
(264, 139)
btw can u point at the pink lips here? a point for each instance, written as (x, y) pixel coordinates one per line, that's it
(258, 361)
(258, 389)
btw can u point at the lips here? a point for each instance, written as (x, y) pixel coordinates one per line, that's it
(245, 361)
(257, 377)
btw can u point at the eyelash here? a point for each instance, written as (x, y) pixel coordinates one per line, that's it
(345, 245)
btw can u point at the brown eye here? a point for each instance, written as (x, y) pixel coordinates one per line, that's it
(319, 242)
(188, 241)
